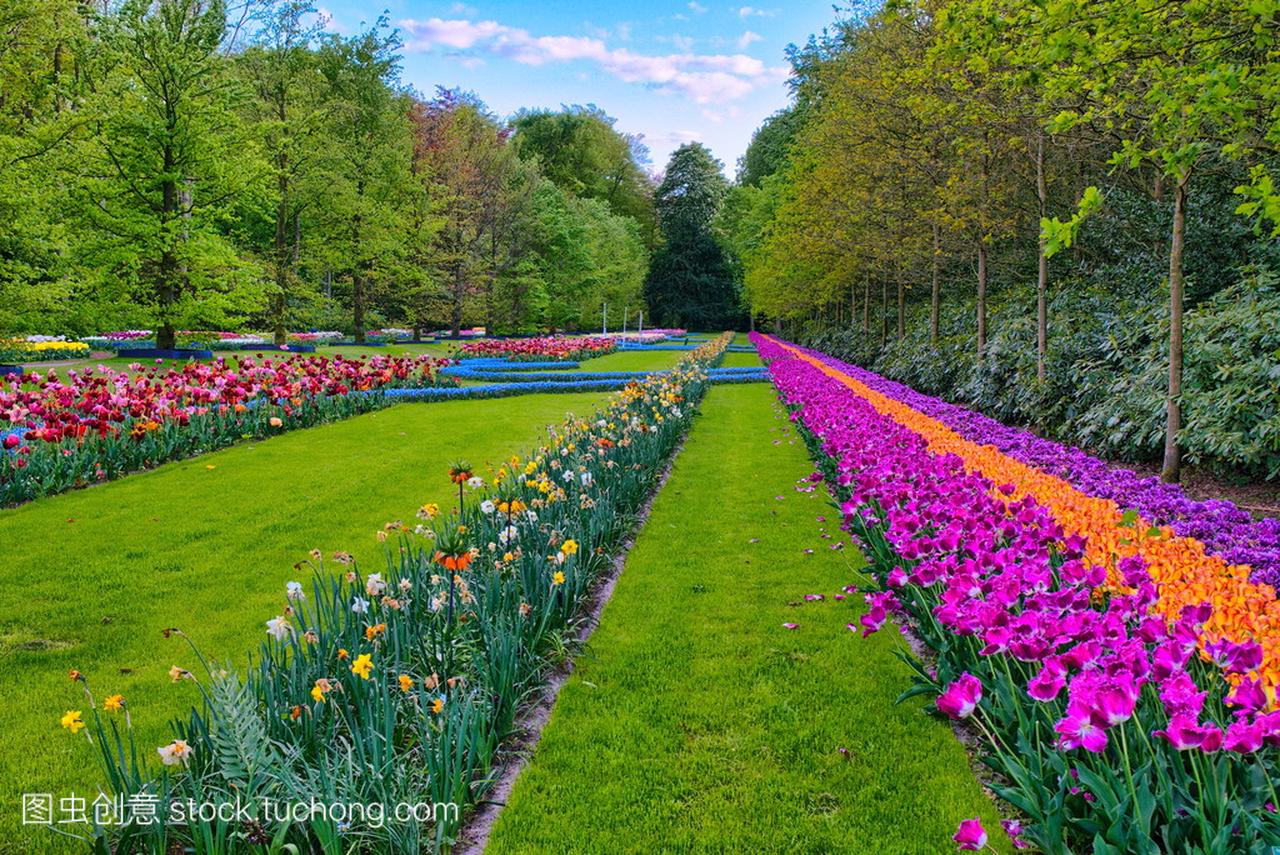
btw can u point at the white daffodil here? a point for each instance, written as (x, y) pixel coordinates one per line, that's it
(487, 506)
(374, 585)
(359, 605)
(586, 479)
(293, 590)
(279, 628)
(174, 753)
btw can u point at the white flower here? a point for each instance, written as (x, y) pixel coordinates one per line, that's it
(359, 605)
(475, 482)
(586, 479)
(174, 753)
(531, 516)
(568, 475)
(293, 590)
(487, 506)
(279, 628)
(373, 585)
(508, 534)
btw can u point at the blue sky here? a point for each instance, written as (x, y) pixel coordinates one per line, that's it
(672, 70)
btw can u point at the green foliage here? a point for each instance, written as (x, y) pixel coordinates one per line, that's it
(580, 150)
(164, 167)
(690, 282)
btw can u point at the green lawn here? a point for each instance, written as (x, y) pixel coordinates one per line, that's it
(91, 577)
(634, 360)
(696, 723)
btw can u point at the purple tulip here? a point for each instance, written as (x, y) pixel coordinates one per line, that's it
(970, 836)
(961, 698)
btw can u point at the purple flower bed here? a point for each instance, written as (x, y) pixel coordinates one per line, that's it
(1225, 529)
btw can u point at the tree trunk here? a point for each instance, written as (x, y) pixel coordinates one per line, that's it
(357, 303)
(282, 247)
(1171, 471)
(982, 298)
(853, 305)
(866, 305)
(884, 311)
(167, 289)
(1042, 280)
(935, 297)
(902, 307)
(458, 291)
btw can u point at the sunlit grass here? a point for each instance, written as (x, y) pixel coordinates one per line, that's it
(91, 577)
(697, 723)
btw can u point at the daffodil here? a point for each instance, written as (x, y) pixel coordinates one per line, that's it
(113, 703)
(362, 666)
(279, 628)
(558, 578)
(406, 683)
(72, 721)
(569, 547)
(174, 753)
(437, 706)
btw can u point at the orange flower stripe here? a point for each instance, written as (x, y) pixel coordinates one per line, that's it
(1184, 573)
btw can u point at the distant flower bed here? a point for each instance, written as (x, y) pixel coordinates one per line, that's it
(98, 424)
(118, 338)
(399, 686)
(389, 334)
(542, 348)
(646, 337)
(40, 349)
(315, 337)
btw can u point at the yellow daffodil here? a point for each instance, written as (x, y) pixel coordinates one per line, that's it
(569, 547)
(113, 703)
(558, 578)
(362, 666)
(406, 683)
(72, 721)
(437, 706)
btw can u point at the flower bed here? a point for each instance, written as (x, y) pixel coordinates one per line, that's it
(1125, 708)
(315, 337)
(119, 338)
(93, 425)
(399, 686)
(40, 349)
(542, 348)
(1225, 530)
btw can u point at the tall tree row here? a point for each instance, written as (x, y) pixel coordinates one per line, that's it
(1017, 203)
(179, 164)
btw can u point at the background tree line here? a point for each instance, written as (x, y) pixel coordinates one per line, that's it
(186, 164)
(1060, 211)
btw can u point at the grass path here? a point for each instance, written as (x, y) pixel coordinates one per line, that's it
(90, 577)
(696, 723)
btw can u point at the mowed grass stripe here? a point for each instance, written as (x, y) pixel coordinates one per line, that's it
(91, 577)
(697, 723)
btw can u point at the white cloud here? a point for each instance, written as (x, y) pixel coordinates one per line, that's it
(747, 39)
(705, 78)
(681, 43)
(755, 12)
(697, 8)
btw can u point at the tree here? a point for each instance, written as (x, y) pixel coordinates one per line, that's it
(690, 283)
(288, 115)
(368, 154)
(581, 151)
(167, 154)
